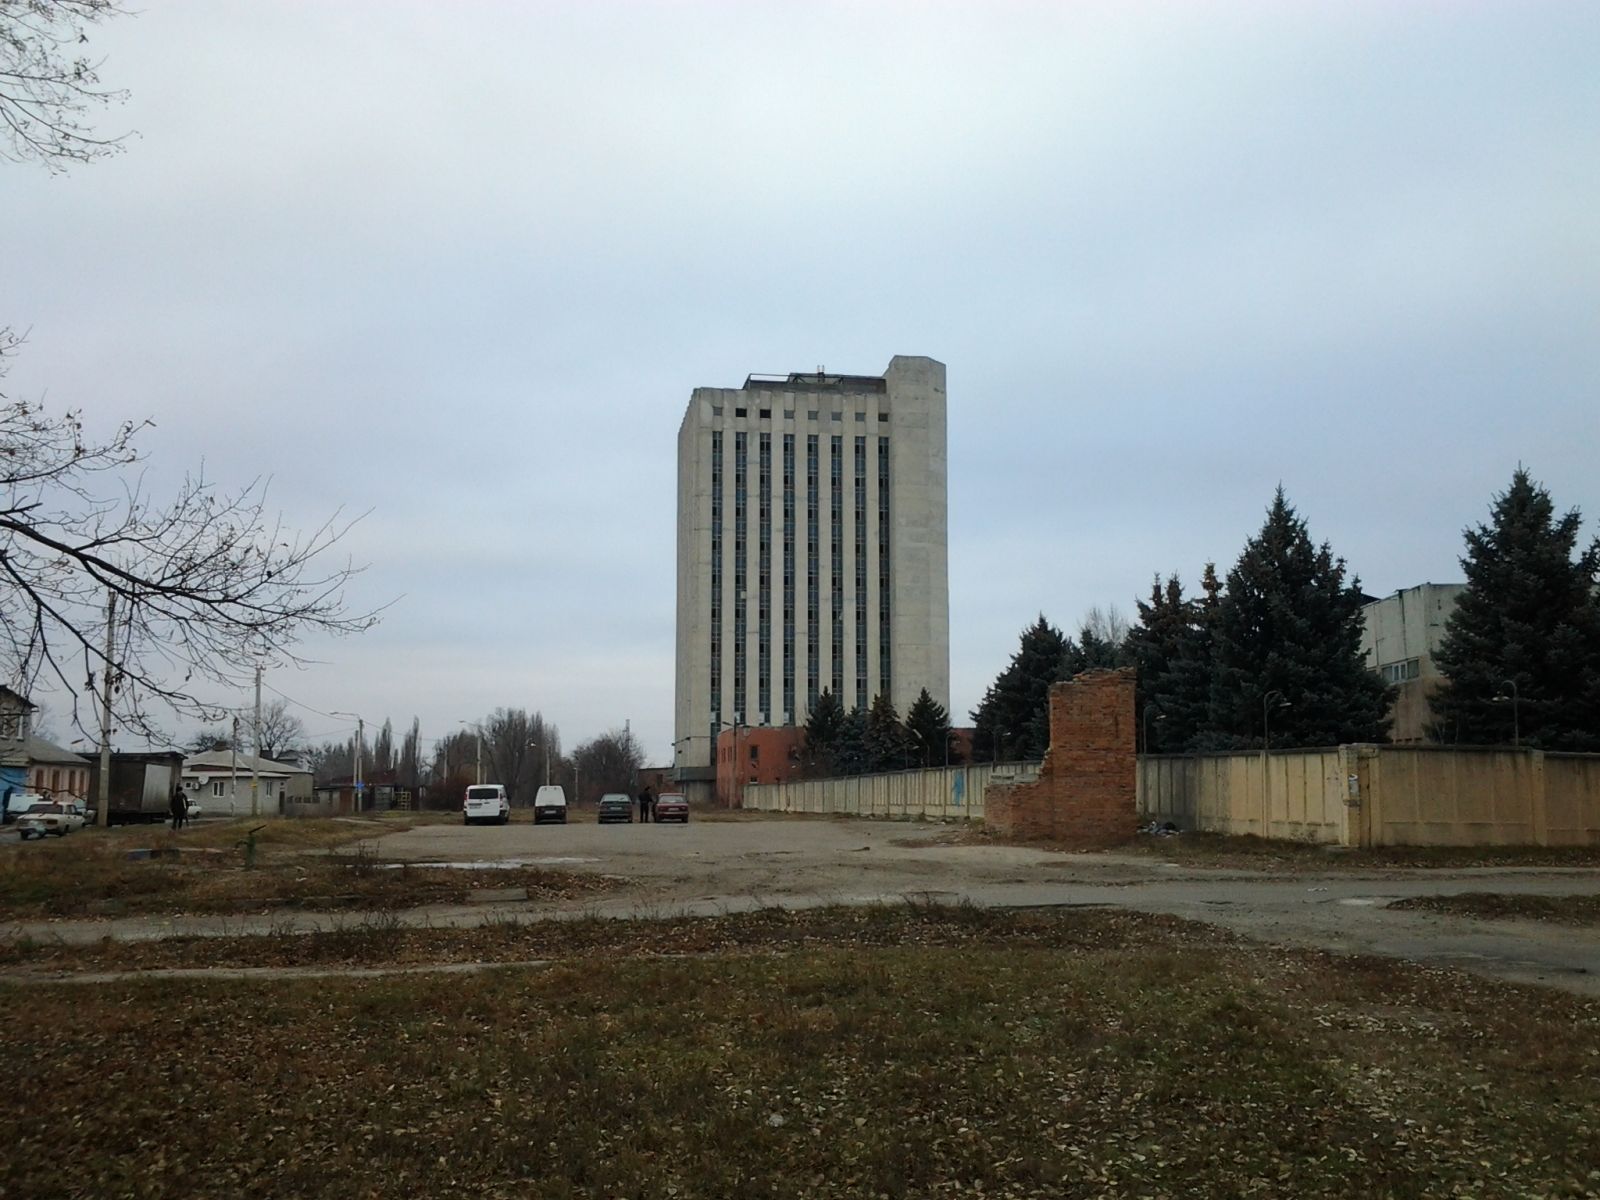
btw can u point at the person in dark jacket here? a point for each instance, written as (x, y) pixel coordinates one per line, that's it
(180, 808)
(646, 805)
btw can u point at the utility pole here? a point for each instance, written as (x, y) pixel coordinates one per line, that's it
(233, 787)
(103, 816)
(479, 728)
(360, 729)
(255, 760)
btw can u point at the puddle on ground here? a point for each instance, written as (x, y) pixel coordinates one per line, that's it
(1363, 901)
(498, 864)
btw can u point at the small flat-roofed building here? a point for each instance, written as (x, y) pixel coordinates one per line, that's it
(1400, 636)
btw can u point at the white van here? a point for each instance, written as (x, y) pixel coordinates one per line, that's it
(486, 802)
(550, 804)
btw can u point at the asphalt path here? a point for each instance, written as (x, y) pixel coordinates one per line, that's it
(712, 867)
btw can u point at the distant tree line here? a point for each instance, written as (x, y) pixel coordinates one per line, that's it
(1272, 652)
(877, 740)
(516, 748)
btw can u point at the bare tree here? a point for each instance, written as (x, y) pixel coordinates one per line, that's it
(381, 759)
(47, 84)
(208, 740)
(1109, 624)
(608, 763)
(515, 745)
(282, 733)
(166, 593)
(410, 755)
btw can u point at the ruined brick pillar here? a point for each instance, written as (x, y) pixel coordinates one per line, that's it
(1087, 791)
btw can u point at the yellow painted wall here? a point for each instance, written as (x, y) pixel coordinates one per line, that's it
(1408, 796)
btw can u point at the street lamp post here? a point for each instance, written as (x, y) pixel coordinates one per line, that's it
(360, 729)
(735, 787)
(477, 729)
(1515, 700)
(1267, 706)
(544, 751)
(923, 742)
(1144, 721)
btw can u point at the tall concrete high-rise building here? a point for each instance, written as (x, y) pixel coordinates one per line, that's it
(811, 550)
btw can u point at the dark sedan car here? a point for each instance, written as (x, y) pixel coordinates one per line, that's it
(671, 806)
(614, 806)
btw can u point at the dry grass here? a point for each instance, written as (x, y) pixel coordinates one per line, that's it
(1221, 850)
(91, 874)
(1497, 906)
(897, 1053)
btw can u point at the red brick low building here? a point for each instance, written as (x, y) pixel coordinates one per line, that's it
(746, 756)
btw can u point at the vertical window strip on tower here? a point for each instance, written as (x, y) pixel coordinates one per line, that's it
(740, 568)
(861, 571)
(885, 662)
(716, 574)
(813, 572)
(788, 579)
(764, 582)
(836, 528)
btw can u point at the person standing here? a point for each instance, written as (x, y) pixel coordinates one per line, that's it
(646, 803)
(180, 807)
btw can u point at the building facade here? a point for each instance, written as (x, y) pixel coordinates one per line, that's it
(811, 550)
(220, 782)
(1399, 637)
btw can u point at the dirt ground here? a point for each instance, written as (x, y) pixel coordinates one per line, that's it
(749, 861)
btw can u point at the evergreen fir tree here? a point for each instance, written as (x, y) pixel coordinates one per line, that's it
(1171, 649)
(1013, 717)
(1093, 653)
(1289, 624)
(1528, 626)
(850, 746)
(822, 733)
(887, 745)
(928, 723)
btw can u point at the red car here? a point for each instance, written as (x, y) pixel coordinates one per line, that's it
(671, 806)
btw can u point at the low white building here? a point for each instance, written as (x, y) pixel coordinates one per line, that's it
(219, 781)
(1400, 636)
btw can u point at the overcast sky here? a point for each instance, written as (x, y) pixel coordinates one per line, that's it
(462, 264)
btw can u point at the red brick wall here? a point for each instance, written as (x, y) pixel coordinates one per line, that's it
(1086, 793)
(759, 754)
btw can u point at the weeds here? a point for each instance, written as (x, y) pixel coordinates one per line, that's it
(945, 1061)
(95, 877)
(1498, 906)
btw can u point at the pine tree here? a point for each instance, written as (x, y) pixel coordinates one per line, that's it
(822, 733)
(1528, 627)
(1015, 708)
(887, 745)
(928, 723)
(1170, 647)
(1288, 632)
(850, 746)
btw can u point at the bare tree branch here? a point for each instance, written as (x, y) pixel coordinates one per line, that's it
(208, 583)
(47, 85)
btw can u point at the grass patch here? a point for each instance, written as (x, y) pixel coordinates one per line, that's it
(92, 875)
(377, 939)
(1498, 906)
(1020, 1055)
(1250, 852)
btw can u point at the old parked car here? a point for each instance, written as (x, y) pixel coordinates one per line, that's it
(550, 804)
(615, 806)
(672, 806)
(51, 817)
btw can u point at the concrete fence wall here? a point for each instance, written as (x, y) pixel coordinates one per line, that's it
(1298, 795)
(1344, 795)
(943, 793)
